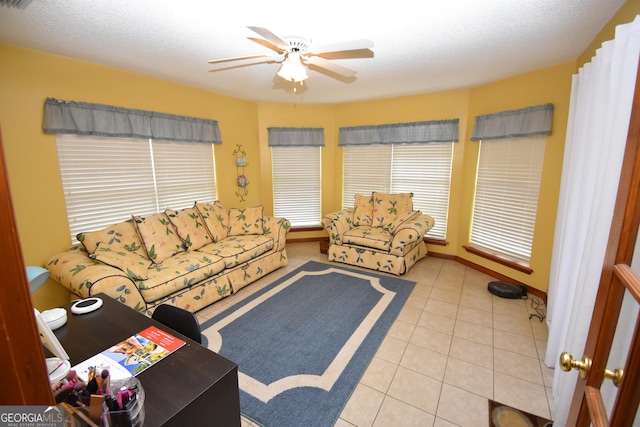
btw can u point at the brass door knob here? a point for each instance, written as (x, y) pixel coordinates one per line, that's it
(567, 362)
(615, 375)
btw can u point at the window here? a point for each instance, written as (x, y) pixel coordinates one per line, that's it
(508, 182)
(421, 169)
(506, 199)
(106, 180)
(185, 173)
(296, 184)
(142, 162)
(425, 170)
(296, 170)
(365, 169)
(411, 157)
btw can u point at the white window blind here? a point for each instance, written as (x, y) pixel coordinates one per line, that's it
(421, 169)
(184, 173)
(506, 199)
(106, 180)
(425, 171)
(365, 169)
(297, 184)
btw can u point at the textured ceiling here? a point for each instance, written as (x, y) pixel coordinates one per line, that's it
(420, 46)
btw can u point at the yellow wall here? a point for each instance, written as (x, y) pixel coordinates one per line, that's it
(626, 13)
(297, 116)
(27, 78)
(436, 106)
(551, 85)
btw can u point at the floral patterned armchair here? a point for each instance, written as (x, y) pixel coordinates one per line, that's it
(381, 232)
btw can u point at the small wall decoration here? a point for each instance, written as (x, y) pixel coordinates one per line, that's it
(241, 163)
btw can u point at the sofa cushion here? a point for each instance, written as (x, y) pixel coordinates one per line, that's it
(216, 219)
(238, 249)
(368, 237)
(158, 236)
(244, 221)
(387, 207)
(190, 227)
(133, 262)
(362, 210)
(179, 272)
(400, 219)
(124, 233)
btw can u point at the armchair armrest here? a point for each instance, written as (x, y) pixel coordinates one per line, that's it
(337, 223)
(409, 232)
(278, 229)
(85, 277)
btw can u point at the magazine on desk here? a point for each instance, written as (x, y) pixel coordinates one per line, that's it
(131, 356)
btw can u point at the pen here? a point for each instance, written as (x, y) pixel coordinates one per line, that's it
(56, 368)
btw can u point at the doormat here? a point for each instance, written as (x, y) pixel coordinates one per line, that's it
(303, 342)
(506, 416)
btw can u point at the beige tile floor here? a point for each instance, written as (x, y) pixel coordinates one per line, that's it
(453, 347)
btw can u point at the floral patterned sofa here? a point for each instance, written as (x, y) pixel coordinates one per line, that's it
(381, 232)
(189, 258)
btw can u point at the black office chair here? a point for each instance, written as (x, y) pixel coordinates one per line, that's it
(179, 320)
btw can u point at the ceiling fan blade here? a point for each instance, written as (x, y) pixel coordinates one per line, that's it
(267, 44)
(238, 65)
(341, 46)
(239, 58)
(328, 65)
(249, 61)
(271, 37)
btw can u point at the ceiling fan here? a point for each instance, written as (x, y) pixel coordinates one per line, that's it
(293, 53)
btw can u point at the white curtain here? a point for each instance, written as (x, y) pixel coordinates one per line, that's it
(601, 100)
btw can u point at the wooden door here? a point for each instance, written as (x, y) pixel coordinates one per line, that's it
(22, 367)
(617, 279)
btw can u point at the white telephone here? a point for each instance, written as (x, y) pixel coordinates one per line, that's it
(49, 340)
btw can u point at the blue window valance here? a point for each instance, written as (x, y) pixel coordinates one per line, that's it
(82, 118)
(401, 133)
(296, 137)
(528, 121)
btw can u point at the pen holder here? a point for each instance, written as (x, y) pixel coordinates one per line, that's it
(124, 407)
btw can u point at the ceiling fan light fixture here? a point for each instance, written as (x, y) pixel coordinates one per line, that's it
(294, 55)
(292, 68)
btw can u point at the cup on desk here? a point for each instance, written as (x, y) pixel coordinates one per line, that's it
(55, 317)
(98, 413)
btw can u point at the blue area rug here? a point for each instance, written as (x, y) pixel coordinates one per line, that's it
(303, 342)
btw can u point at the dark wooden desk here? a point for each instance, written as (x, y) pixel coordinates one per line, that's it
(192, 386)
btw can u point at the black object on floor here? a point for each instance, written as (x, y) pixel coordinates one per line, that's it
(507, 290)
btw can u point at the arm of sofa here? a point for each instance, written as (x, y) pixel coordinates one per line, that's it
(410, 232)
(337, 223)
(278, 229)
(85, 277)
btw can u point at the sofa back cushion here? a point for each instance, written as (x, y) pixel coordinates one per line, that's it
(387, 207)
(362, 210)
(244, 221)
(124, 233)
(133, 262)
(158, 236)
(216, 219)
(190, 227)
